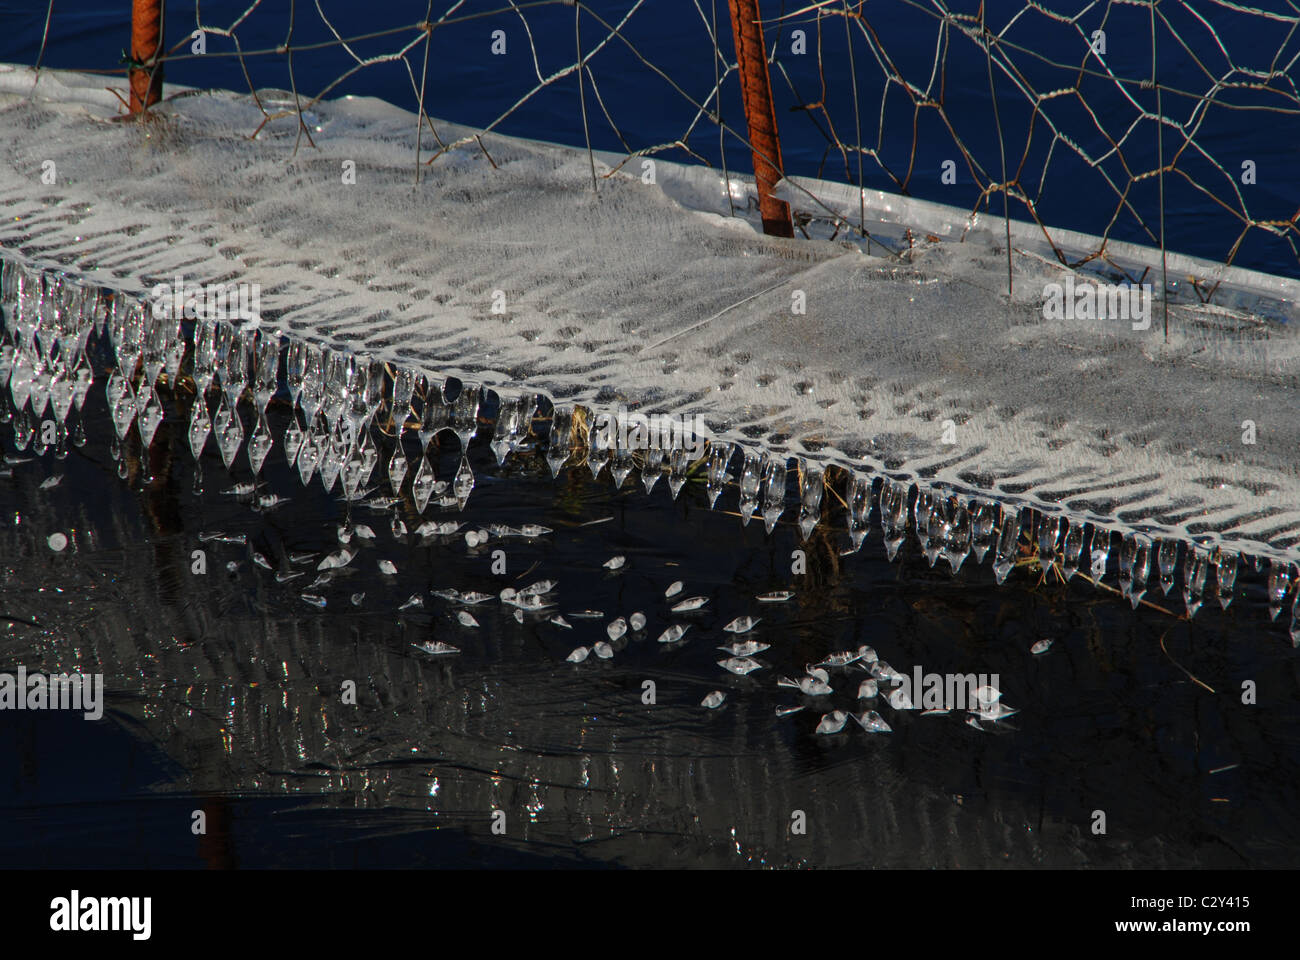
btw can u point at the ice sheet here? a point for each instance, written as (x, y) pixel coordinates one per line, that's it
(648, 294)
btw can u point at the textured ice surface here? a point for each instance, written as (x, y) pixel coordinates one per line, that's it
(645, 294)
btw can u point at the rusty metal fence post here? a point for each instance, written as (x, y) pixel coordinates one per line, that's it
(760, 116)
(145, 73)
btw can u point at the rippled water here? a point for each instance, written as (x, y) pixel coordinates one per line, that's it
(224, 687)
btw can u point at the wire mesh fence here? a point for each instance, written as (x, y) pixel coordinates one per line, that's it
(1166, 125)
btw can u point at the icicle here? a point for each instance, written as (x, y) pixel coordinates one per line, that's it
(936, 531)
(336, 450)
(84, 381)
(507, 414)
(230, 432)
(295, 363)
(357, 392)
(99, 303)
(560, 446)
(312, 397)
(235, 377)
(513, 421)
(598, 441)
(266, 376)
(122, 405)
(141, 396)
(653, 468)
(358, 466)
(1225, 571)
(8, 281)
(435, 412)
(7, 356)
(859, 502)
(205, 356)
(403, 394)
(463, 419)
(1099, 552)
(396, 468)
(1167, 561)
(155, 349)
(774, 482)
(200, 427)
(259, 444)
(957, 542)
(422, 485)
(61, 441)
(22, 430)
(61, 394)
(810, 496)
(621, 465)
(719, 456)
(435, 416)
(1008, 547)
(1049, 528)
(1279, 582)
(335, 401)
(372, 394)
(629, 437)
(1072, 549)
(1196, 564)
(293, 437)
(311, 451)
(893, 514)
(28, 302)
(149, 421)
(1127, 554)
(983, 524)
(1139, 570)
(39, 393)
(678, 464)
(751, 478)
(921, 514)
(464, 482)
(20, 381)
(37, 434)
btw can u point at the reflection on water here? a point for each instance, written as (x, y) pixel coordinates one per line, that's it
(228, 691)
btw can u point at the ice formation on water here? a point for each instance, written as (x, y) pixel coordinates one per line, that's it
(1104, 451)
(342, 403)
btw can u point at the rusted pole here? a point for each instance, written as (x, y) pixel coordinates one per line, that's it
(760, 116)
(145, 73)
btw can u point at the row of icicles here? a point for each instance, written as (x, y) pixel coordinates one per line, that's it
(337, 399)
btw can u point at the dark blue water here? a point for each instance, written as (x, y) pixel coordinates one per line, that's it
(1214, 129)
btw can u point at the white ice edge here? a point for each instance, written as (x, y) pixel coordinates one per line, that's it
(659, 267)
(820, 197)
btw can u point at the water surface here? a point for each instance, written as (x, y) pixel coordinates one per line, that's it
(224, 689)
